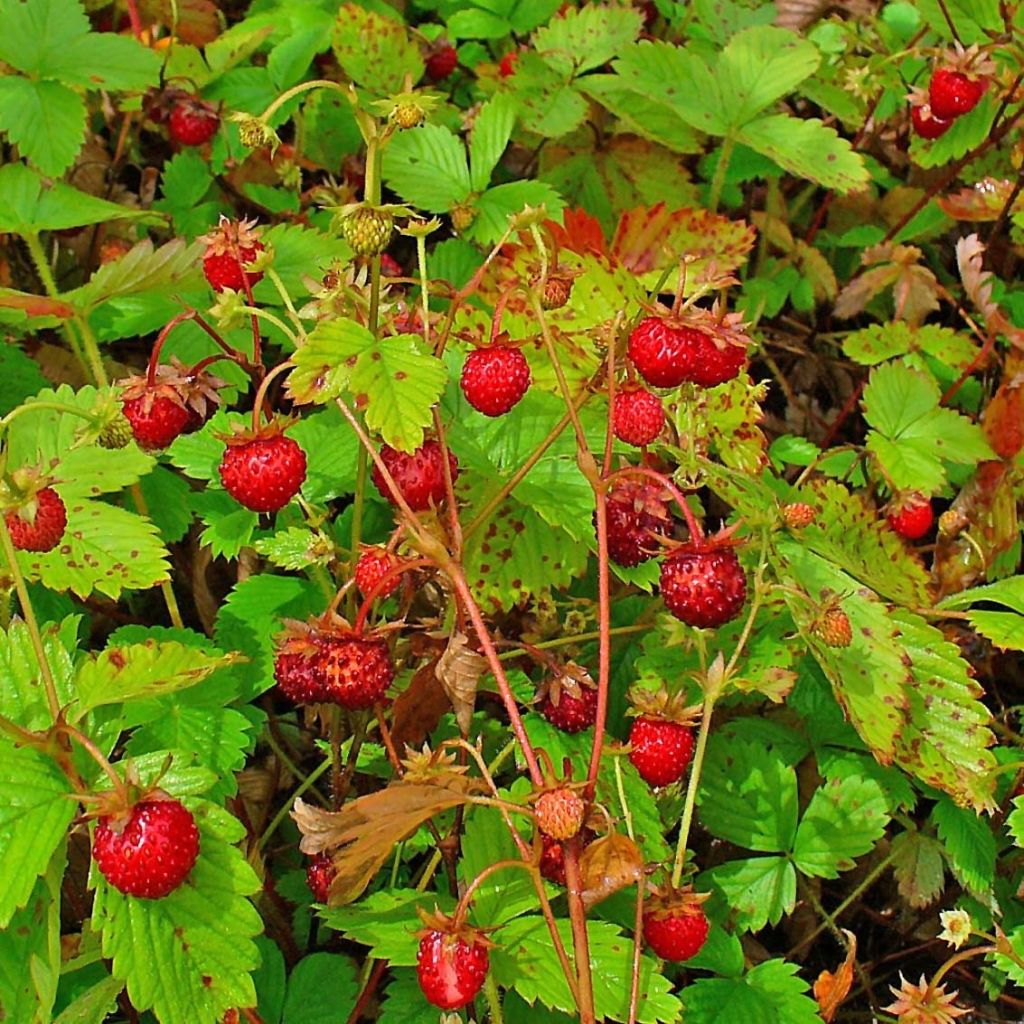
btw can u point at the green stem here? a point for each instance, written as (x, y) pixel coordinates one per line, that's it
(262, 314)
(166, 588)
(317, 83)
(308, 783)
(718, 181)
(31, 406)
(493, 997)
(691, 789)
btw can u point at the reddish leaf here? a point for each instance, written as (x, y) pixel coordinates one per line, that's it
(36, 305)
(196, 22)
(579, 233)
(418, 708)
(831, 989)
(983, 202)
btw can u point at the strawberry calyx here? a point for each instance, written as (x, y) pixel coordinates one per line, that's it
(452, 929)
(232, 236)
(572, 681)
(241, 434)
(663, 706)
(196, 391)
(19, 490)
(669, 901)
(724, 540)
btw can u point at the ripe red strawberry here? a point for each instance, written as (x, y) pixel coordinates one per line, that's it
(703, 586)
(193, 121)
(451, 963)
(419, 476)
(569, 712)
(552, 858)
(296, 676)
(157, 420)
(354, 671)
(507, 64)
(264, 470)
(638, 417)
(441, 62)
(663, 354)
(926, 124)
(39, 523)
(675, 926)
(560, 813)
(320, 872)
(952, 93)
(715, 365)
(389, 266)
(229, 247)
(910, 515)
(373, 563)
(177, 401)
(637, 515)
(495, 378)
(660, 749)
(149, 851)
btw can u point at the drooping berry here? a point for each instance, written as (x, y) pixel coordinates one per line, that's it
(833, 628)
(716, 364)
(926, 124)
(149, 851)
(637, 516)
(451, 964)
(660, 749)
(193, 122)
(176, 401)
(952, 93)
(419, 476)
(798, 514)
(297, 678)
(638, 417)
(664, 354)
(495, 378)
(39, 523)
(675, 925)
(264, 470)
(367, 229)
(374, 562)
(441, 62)
(560, 813)
(229, 249)
(703, 587)
(569, 712)
(910, 515)
(157, 420)
(354, 671)
(552, 858)
(320, 872)
(389, 266)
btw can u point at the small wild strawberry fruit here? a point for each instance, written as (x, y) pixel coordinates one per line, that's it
(560, 812)
(557, 290)
(262, 470)
(926, 124)
(115, 434)
(367, 229)
(452, 961)
(407, 114)
(910, 515)
(638, 515)
(703, 584)
(833, 628)
(441, 62)
(229, 249)
(419, 476)
(717, 362)
(660, 750)
(295, 663)
(373, 563)
(798, 514)
(148, 850)
(176, 401)
(952, 93)
(320, 872)
(675, 926)
(569, 704)
(389, 266)
(663, 353)
(38, 523)
(355, 670)
(638, 417)
(495, 378)
(192, 122)
(552, 858)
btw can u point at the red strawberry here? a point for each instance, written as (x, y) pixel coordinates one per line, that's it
(451, 963)
(660, 749)
(419, 476)
(39, 523)
(320, 872)
(910, 515)
(264, 470)
(157, 420)
(229, 247)
(373, 563)
(715, 365)
(560, 813)
(177, 401)
(297, 678)
(926, 124)
(507, 64)
(703, 586)
(354, 671)
(638, 417)
(193, 122)
(637, 515)
(952, 93)
(665, 354)
(441, 62)
(675, 926)
(389, 266)
(149, 851)
(569, 712)
(552, 858)
(495, 378)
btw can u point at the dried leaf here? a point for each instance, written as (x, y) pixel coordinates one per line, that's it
(36, 305)
(915, 289)
(459, 670)
(609, 864)
(983, 201)
(418, 708)
(977, 283)
(831, 989)
(363, 834)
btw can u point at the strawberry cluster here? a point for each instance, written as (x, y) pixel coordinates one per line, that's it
(955, 88)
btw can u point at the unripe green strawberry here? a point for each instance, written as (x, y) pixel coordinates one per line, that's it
(560, 813)
(834, 628)
(115, 434)
(798, 514)
(462, 216)
(368, 230)
(407, 115)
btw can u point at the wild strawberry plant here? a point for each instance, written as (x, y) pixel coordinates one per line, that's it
(509, 512)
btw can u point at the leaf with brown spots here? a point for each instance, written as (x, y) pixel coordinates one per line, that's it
(726, 420)
(376, 50)
(983, 201)
(459, 670)
(831, 989)
(362, 835)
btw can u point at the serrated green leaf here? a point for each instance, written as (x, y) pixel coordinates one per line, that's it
(104, 60)
(760, 890)
(488, 139)
(504, 894)
(227, 526)
(428, 168)
(322, 989)
(332, 450)
(640, 806)
(94, 1005)
(35, 33)
(188, 956)
(323, 364)
(44, 119)
(295, 548)
(843, 821)
(375, 49)
(167, 498)
(963, 135)
(748, 795)
(918, 868)
(969, 845)
(329, 129)
(585, 38)
(1015, 821)
(547, 100)
(34, 816)
(404, 1002)
(727, 419)
(1008, 592)
(771, 993)
(300, 255)
(21, 690)
(498, 204)
(878, 342)
(474, 23)
(20, 377)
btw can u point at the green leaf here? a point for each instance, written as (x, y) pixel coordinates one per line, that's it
(473, 23)
(332, 450)
(748, 795)
(103, 59)
(807, 148)
(498, 204)
(548, 101)
(21, 689)
(878, 342)
(504, 894)
(918, 868)
(844, 820)
(329, 126)
(323, 365)
(228, 527)
(94, 1005)
(295, 548)
(299, 254)
(404, 1002)
(322, 989)
(375, 49)
(44, 119)
(488, 139)
(34, 816)
(585, 38)
(760, 890)
(188, 956)
(149, 669)
(428, 168)
(771, 993)
(20, 377)
(35, 34)
(969, 844)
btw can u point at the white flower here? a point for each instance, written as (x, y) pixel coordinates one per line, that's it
(956, 927)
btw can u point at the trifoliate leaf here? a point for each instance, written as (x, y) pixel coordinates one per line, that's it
(771, 993)
(428, 168)
(587, 37)
(46, 121)
(760, 890)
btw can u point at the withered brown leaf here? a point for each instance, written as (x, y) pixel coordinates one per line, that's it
(831, 989)
(609, 864)
(459, 670)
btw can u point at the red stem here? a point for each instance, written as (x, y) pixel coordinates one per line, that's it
(133, 17)
(378, 587)
(154, 355)
(368, 990)
(696, 533)
(499, 310)
(604, 644)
